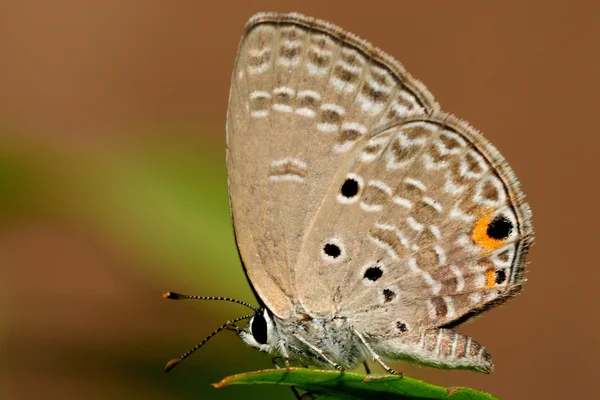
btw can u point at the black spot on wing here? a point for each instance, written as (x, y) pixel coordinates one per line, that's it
(350, 188)
(332, 250)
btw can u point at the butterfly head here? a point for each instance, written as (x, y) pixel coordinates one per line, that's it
(261, 331)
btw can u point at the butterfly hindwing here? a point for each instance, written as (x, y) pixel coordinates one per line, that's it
(435, 229)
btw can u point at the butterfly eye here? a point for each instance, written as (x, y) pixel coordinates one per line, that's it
(500, 228)
(258, 327)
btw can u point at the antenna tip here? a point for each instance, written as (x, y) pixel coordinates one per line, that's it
(172, 364)
(171, 295)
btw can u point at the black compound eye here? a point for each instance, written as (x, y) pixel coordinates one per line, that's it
(350, 188)
(500, 228)
(258, 327)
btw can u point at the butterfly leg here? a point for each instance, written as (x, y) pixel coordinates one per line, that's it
(320, 352)
(277, 362)
(376, 356)
(284, 353)
(367, 369)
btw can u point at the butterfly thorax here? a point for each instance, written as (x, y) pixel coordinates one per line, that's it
(332, 335)
(298, 339)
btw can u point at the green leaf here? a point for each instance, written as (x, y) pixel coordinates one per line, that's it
(343, 385)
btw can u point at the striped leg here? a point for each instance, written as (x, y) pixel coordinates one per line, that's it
(284, 353)
(367, 369)
(375, 355)
(320, 352)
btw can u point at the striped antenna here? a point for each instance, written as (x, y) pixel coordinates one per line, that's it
(171, 364)
(179, 296)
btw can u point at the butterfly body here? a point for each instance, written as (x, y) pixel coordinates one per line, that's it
(288, 338)
(368, 221)
(334, 342)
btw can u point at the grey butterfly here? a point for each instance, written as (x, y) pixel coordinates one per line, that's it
(369, 222)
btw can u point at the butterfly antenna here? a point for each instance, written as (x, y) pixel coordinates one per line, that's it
(185, 355)
(179, 296)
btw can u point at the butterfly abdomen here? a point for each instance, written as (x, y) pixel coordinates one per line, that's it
(440, 348)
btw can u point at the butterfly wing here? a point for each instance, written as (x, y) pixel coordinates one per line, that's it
(303, 93)
(434, 231)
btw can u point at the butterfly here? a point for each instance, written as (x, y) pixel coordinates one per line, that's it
(369, 223)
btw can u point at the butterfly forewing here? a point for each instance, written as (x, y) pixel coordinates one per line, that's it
(304, 94)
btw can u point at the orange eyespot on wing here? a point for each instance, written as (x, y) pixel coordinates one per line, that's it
(491, 233)
(490, 278)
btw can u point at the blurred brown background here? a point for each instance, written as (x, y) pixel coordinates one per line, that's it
(113, 186)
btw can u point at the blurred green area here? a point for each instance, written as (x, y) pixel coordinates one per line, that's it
(156, 211)
(165, 202)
